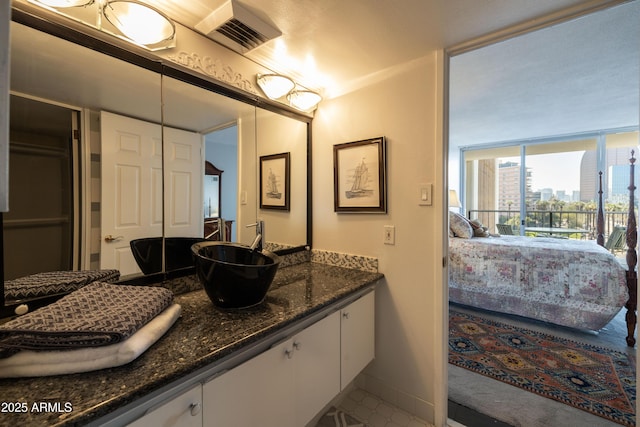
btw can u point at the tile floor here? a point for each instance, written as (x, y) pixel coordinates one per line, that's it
(375, 412)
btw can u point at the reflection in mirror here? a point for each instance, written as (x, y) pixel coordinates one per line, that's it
(42, 187)
(201, 125)
(56, 151)
(212, 187)
(278, 134)
(93, 92)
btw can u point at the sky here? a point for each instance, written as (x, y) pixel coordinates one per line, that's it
(559, 171)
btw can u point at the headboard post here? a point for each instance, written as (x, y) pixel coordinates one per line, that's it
(600, 217)
(632, 257)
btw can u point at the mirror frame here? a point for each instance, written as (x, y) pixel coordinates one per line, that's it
(134, 55)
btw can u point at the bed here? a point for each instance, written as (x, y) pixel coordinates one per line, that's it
(574, 283)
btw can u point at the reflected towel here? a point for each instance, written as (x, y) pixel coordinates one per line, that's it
(29, 363)
(54, 283)
(98, 314)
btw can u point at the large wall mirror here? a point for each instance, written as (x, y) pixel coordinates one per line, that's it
(76, 203)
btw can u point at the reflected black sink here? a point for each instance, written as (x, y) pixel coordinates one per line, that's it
(233, 275)
(148, 253)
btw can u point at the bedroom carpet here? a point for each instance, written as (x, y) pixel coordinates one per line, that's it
(595, 379)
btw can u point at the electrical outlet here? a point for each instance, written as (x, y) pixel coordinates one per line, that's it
(389, 235)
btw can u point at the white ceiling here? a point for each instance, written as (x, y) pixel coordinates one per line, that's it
(333, 45)
(568, 78)
(577, 76)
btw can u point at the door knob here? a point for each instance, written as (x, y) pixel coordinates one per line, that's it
(109, 238)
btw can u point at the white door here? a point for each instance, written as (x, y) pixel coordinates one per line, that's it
(184, 176)
(131, 202)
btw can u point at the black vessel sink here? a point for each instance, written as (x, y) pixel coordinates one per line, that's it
(148, 253)
(234, 275)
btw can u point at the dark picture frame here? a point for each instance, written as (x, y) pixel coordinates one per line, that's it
(360, 176)
(275, 181)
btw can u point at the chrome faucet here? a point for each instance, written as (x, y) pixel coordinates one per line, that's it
(221, 231)
(257, 242)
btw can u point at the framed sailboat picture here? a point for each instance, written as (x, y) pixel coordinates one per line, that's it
(359, 176)
(274, 181)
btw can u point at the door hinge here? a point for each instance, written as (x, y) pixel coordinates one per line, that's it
(444, 262)
(76, 134)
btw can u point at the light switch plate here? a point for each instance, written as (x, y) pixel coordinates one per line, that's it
(424, 194)
(389, 235)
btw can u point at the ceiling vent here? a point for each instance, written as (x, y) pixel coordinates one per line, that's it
(236, 27)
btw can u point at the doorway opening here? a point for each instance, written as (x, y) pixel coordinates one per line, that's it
(44, 188)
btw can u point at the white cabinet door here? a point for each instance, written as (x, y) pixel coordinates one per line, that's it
(317, 367)
(284, 386)
(183, 411)
(256, 393)
(357, 337)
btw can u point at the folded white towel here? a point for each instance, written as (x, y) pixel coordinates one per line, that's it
(29, 363)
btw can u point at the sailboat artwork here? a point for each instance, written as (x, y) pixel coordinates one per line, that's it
(360, 178)
(275, 181)
(272, 186)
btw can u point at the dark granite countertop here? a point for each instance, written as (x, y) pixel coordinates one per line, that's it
(202, 336)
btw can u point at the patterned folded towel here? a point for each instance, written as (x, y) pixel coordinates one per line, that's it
(27, 363)
(95, 315)
(54, 282)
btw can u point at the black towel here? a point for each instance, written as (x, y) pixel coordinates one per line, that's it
(54, 283)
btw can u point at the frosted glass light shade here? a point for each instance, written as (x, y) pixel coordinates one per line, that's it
(138, 22)
(65, 3)
(304, 100)
(274, 85)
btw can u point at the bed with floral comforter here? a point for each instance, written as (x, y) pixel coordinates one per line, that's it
(567, 282)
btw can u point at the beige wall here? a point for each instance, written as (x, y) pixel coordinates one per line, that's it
(406, 109)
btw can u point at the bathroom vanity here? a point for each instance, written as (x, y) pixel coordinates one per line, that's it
(278, 363)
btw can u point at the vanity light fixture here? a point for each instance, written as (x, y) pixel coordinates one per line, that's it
(130, 20)
(304, 100)
(275, 85)
(138, 22)
(66, 3)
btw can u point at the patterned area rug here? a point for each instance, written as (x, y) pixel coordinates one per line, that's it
(338, 418)
(594, 379)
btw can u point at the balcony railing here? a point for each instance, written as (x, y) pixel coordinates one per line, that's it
(585, 220)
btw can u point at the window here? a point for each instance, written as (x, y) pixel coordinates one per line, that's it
(552, 182)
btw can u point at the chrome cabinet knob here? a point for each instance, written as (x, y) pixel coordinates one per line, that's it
(195, 409)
